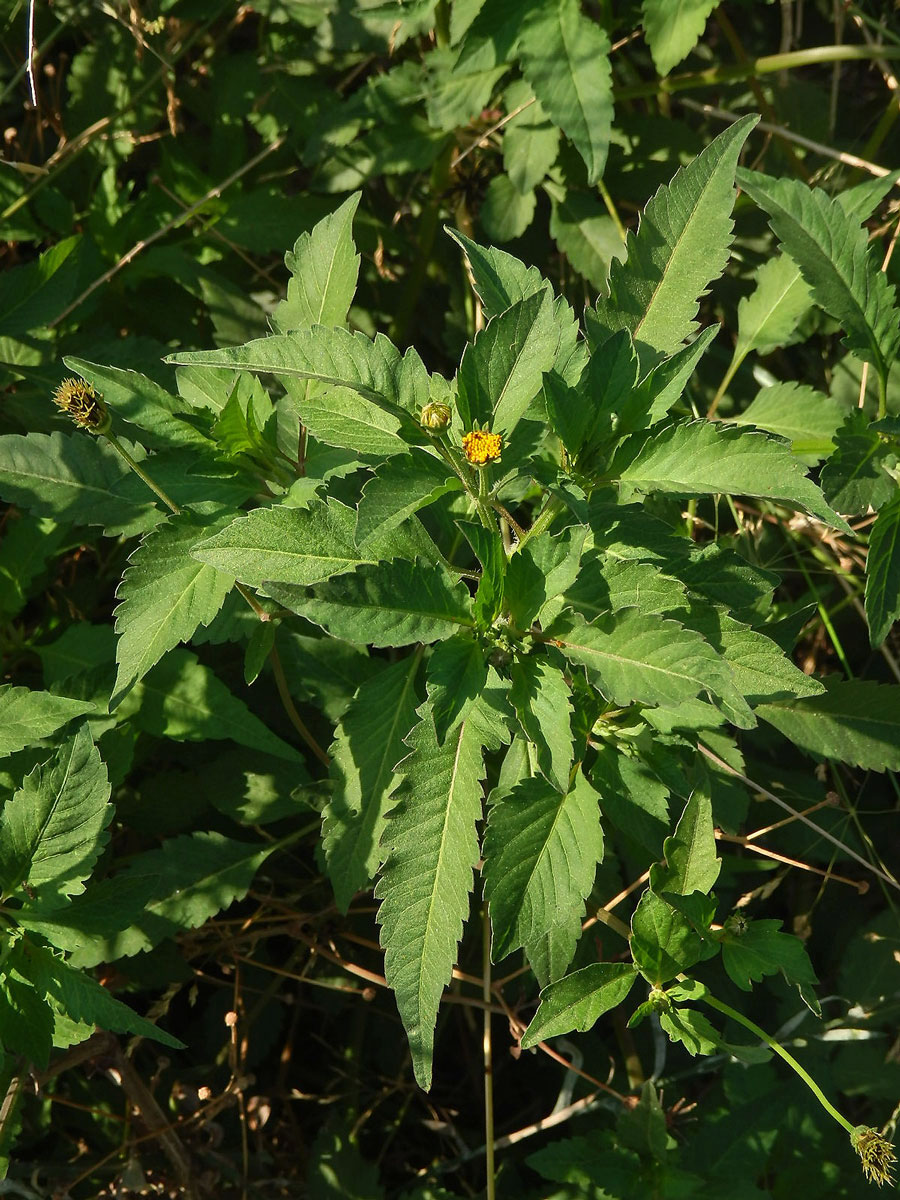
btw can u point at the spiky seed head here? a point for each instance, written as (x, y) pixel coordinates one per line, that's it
(80, 401)
(876, 1154)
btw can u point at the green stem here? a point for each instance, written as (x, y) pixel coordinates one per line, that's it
(140, 472)
(780, 1050)
(543, 520)
(723, 386)
(882, 395)
(767, 65)
(488, 1059)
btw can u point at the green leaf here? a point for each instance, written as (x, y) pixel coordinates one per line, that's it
(807, 418)
(161, 893)
(26, 1020)
(608, 585)
(505, 212)
(368, 745)
(499, 279)
(540, 571)
(579, 1000)
(584, 232)
(632, 798)
(883, 572)
(385, 604)
(286, 545)
(541, 698)
(550, 954)
(855, 721)
(337, 1170)
(701, 458)
(762, 950)
(182, 699)
(692, 1029)
(636, 657)
(488, 547)
(691, 864)
(769, 316)
(857, 475)
(27, 717)
(374, 369)
(541, 851)
(324, 267)
(501, 371)
(431, 849)
(565, 57)
(401, 487)
(663, 387)
(831, 248)
(663, 944)
(530, 139)
(83, 999)
(165, 595)
(673, 28)
(680, 247)
(52, 829)
(36, 293)
(457, 674)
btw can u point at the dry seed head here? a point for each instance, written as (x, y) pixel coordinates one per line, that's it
(481, 448)
(80, 401)
(876, 1154)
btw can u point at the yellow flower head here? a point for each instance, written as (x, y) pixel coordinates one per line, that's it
(81, 402)
(481, 448)
(876, 1154)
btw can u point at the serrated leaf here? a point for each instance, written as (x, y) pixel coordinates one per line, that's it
(680, 247)
(505, 212)
(807, 418)
(565, 57)
(400, 488)
(831, 248)
(855, 721)
(384, 604)
(324, 267)
(431, 849)
(286, 545)
(374, 369)
(673, 28)
(488, 546)
(550, 955)
(856, 475)
(769, 316)
(457, 673)
(692, 1029)
(608, 585)
(762, 950)
(500, 279)
(367, 747)
(584, 231)
(540, 571)
(52, 829)
(530, 139)
(663, 944)
(541, 851)
(691, 864)
(639, 658)
(542, 700)
(501, 371)
(27, 717)
(165, 595)
(701, 458)
(25, 1018)
(883, 572)
(632, 799)
(579, 1000)
(664, 386)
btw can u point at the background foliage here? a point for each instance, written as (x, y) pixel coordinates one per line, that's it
(213, 927)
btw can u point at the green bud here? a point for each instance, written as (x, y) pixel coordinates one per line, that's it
(435, 416)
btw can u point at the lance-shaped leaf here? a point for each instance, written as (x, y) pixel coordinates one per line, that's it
(401, 487)
(807, 418)
(579, 1000)
(501, 371)
(457, 673)
(680, 247)
(324, 267)
(640, 658)
(701, 458)
(541, 850)
(166, 595)
(769, 316)
(883, 572)
(286, 545)
(831, 248)
(500, 279)
(855, 721)
(27, 717)
(690, 864)
(375, 369)
(367, 747)
(565, 58)
(431, 849)
(541, 698)
(52, 829)
(673, 28)
(384, 604)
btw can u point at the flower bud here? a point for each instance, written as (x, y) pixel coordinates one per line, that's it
(435, 416)
(80, 401)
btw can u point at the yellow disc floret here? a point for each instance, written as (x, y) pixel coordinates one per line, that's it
(481, 448)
